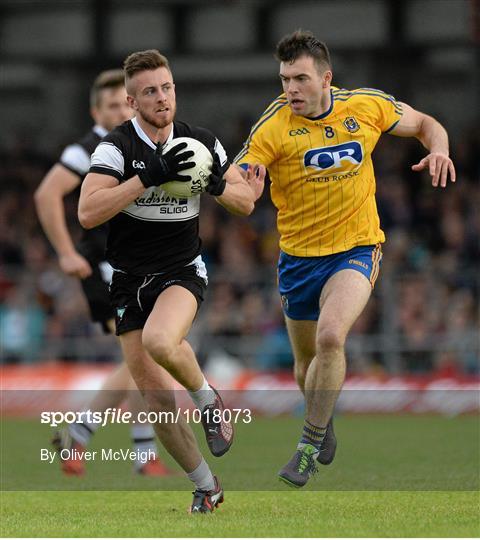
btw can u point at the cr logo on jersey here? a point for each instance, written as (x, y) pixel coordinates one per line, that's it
(351, 124)
(332, 156)
(300, 131)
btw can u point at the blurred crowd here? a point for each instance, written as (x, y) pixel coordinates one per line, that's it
(423, 316)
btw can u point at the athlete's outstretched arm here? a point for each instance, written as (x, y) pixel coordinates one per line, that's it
(433, 137)
(102, 197)
(49, 204)
(238, 197)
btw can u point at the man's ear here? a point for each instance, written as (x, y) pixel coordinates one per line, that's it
(327, 79)
(132, 102)
(94, 114)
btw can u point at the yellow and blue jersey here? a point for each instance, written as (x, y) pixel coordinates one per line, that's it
(321, 171)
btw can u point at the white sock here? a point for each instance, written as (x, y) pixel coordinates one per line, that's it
(203, 396)
(82, 431)
(202, 477)
(142, 431)
(143, 440)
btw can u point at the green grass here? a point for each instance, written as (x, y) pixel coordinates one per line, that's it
(374, 453)
(251, 514)
(393, 476)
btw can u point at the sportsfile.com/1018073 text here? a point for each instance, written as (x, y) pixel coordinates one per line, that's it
(119, 416)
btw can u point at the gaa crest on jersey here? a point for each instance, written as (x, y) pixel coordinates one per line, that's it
(351, 124)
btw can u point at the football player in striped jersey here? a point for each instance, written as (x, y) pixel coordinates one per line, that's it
(316, 142)
(153, 244)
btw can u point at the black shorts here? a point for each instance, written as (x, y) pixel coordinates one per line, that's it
(98, 298)
(133, 297)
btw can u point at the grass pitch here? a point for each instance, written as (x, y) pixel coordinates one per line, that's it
(393, 476)
(251, 514)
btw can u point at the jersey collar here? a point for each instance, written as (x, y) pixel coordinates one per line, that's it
(100, 130)
(145, 138)
(326, 113)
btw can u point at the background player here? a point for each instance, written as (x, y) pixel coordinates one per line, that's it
(109, 108)
(160, 278)
(316, 141)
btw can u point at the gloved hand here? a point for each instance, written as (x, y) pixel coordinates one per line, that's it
(162, 168)
(216, 182)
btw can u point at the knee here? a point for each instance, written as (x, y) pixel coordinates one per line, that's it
(330, 340)
(159, 345)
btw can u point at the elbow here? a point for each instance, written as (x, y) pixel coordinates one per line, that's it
(86, 220)
(39, 197)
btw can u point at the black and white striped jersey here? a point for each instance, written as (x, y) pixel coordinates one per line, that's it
(76, 158)
(156, 232)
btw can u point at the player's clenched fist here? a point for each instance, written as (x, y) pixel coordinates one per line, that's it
(75, 264)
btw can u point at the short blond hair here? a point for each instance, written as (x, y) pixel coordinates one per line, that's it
(144, 61)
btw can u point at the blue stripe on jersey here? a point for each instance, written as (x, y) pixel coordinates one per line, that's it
(346, 96)
(268, 110)
(374, 90)
(366, 91)
(398, 110)
(255, 128)
(391, 127)
(277, 100)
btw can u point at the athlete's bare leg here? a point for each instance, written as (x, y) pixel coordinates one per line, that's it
(156, 386)
(302, 339)
(113, 391)
(117, 387)
(343, 299)
(164, 336)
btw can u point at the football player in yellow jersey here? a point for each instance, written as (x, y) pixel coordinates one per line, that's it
(316, 142)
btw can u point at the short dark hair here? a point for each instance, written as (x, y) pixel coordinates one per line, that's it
(112, 78)
(144, 61)
(303, 43)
